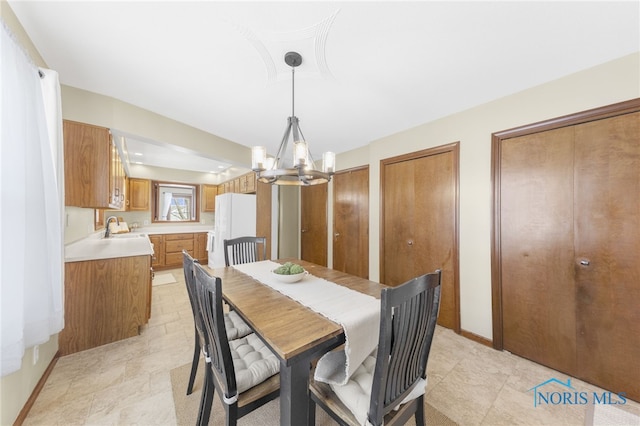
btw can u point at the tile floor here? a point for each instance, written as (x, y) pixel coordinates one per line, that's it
(127, 382)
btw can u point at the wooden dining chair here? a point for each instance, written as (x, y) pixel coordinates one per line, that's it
(234, 325)
(244, 372)
(388, 388)
(245, 250)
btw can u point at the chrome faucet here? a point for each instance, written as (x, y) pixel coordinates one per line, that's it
(106, 226)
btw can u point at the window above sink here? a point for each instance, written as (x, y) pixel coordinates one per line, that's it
(175, 202)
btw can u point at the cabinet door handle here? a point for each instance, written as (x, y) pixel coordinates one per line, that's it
(584, 262)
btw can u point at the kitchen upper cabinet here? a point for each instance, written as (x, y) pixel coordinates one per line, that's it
(245, 184)
(139, 195)
(209, 193)
(248, 183)
(93, 172)
(87, 153)
(117, 179)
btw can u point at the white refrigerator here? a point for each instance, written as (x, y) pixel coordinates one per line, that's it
(235, 217)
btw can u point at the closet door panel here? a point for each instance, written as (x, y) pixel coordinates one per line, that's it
(536, 213)
(351, 222)
(433, 240)
(399, 222)
(607, 230)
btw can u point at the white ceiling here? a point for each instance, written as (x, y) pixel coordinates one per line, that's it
(370, 69)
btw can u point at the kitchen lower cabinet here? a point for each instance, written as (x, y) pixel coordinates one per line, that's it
(168, 249)
(173, 246)
(157, 259)
(106, 300)
(200, 247)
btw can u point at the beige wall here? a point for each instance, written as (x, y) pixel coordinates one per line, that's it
(608, 83)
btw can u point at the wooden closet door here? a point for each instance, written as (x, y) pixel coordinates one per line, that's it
(536, 216)
(420, 223)
(607, 264)
(313, 224)
(351, 222)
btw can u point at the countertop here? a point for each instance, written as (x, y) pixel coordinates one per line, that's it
(95, 247)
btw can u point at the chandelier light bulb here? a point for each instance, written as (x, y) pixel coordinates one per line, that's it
(329, 162)
(300, 154)
(258, 158)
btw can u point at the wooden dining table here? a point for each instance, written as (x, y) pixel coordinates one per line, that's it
(295, 333)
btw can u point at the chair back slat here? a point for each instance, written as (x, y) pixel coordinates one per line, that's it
(409, 314)
(190, 281)
(209, 291)
(245, 250)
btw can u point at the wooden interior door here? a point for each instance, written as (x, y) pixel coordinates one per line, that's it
(351, 221)
(313, 224)
(420, 223)
(607, 229)
(538, 295)
(567, 244)
(263, 214)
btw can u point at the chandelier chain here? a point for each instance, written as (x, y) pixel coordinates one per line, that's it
(293, 92)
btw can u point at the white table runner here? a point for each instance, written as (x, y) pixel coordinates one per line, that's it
(358, 313)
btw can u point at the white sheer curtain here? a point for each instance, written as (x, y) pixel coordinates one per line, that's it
(31, 207)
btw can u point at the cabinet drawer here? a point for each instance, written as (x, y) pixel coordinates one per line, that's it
(169, 237)
(175, 259)
(173, 246)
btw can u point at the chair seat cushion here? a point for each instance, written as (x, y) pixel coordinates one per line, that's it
(356, 393)
(253, 362)
(235, 326)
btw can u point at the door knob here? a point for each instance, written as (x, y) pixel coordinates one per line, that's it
(584, 262)
(410, 242)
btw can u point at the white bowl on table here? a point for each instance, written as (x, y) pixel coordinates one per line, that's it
(292, 278)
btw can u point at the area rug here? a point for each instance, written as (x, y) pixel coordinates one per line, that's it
(163, 278)
(609, 415)
(186, 406)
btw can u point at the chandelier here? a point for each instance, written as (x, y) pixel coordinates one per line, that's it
(303, 170)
